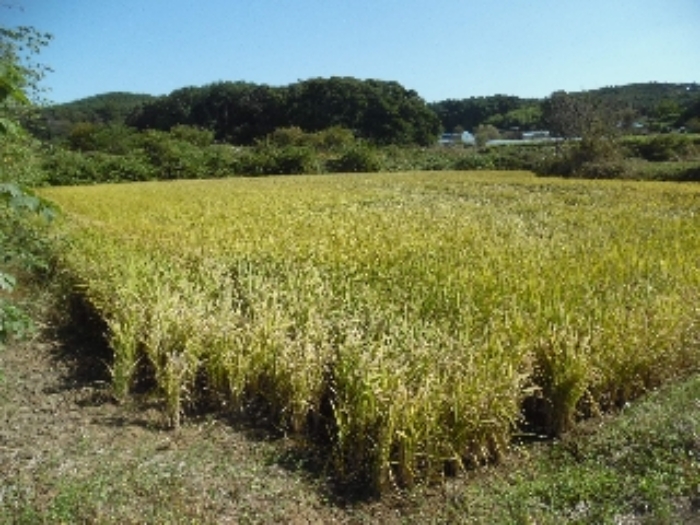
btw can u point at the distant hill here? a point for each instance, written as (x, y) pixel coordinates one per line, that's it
(670, 104)
(647, 97)
(106, 108)
(667, 104)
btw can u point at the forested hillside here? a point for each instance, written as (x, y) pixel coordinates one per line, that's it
(659, 106)
(382, 112)
(242, 112)
(106, 108)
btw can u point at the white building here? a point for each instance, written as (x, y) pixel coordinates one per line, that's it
(453, 139)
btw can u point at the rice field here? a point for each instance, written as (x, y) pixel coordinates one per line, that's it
(409, 322)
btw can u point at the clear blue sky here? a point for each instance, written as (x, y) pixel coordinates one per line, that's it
(441, 49)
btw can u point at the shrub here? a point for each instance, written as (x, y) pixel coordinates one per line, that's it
(591, 157)
(333, 139)
(292, 161)
(525, 157)
(359, 159)
(20, 160)
(669, 171)
(476, 161)
(82, 137)
(117, 168)
(270, 160)
(485, 132)
(172, 158)
(64, 167)
(113, 138)
(668, 146)
(220, 160)
(604, 169)
(193, 135)
(283, 137)
(23, 248)
(693, 125)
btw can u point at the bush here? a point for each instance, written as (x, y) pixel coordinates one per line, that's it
(220, 160)
(23, 248)
(525, 157)
(65, 168)
(359, 159)
(333, 139)
(193, 135)
(668, 146)
(114, 138)
(476, 161)
(171, 157)
(591, 157)
(604, 169)
(397, 158)
(284, 137)
(270, 160)
(293, 161)
(667, 171)
(118, 168)
(485, 132)
(20, 160)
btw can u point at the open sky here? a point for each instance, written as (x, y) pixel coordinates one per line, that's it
(441, 49)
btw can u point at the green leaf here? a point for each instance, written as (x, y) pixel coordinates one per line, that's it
(7, 127)
(7, 282)
(25, 202)
(20, 200)
(10, 190)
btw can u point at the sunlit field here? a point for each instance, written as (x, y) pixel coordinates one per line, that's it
(411, 323)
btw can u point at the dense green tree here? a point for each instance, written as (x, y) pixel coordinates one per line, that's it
(690, 118)
(236, 112)
(57, 121)
(564, 115)
(116, 139)
(192, 135)
(242, 113)
(20, 85)
(471, 112)
(19, 47)
(165, 112)
(595, 123)
(508, 112)
(524, 118)
(379, 111)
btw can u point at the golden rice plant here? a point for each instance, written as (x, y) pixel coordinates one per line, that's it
(408, 318)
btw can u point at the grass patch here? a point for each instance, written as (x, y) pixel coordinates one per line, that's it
(642, 467)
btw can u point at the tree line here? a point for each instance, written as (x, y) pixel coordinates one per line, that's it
(377, 111)
(380, 112)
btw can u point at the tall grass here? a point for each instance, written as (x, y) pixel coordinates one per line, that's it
(405, 318)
